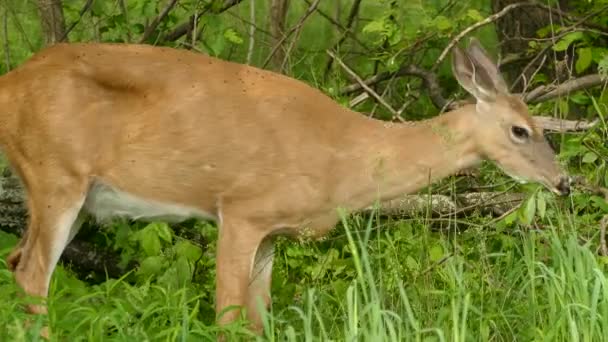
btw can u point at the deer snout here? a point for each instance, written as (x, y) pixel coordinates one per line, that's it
(563, 186)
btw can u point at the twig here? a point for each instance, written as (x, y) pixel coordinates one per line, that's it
(369, 90)
(297, 31)
(354, 11)
(276, 47)
(603, 247)
(477, 25)
(123, 10)
(84, 10)
(185, 27)
(17, 23)
(575, 18)
(429, 79)
(7, 50)
(339, 26)
(536, 71)
(154, 24)
(251, 31)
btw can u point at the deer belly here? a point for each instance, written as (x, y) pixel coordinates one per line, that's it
(105, 202)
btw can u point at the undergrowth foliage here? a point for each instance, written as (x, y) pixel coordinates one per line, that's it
(534, 273)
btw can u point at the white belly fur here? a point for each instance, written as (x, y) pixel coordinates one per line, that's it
(105, 202)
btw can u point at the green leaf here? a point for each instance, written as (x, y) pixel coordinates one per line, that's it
(164, 232)
(528, 211)
(376, 26)
(233, 37)
(600, 203)
(151, 265)
(474, 14)
(589, 157)
(183, 270)
(188, 250)
(584, 59)
(150, 242)
(436, 252)
(541, 205)
(442, 23)
(98, 8)
(568, 39)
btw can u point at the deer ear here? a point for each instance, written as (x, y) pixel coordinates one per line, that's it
(473, 78)
(480, 57)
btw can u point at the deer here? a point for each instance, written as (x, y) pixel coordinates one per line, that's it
(156, 133)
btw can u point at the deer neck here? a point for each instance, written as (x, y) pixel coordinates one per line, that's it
(396, 159)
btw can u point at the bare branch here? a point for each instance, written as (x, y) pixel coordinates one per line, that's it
(354, 11)
(51, 20)
(20, 28)
(154, 24)
(84, 10)
(252, 28)
(562, 126)
(429, 79)
(340, 27)
(548, 92)
(185, 27)
(7, 49)
(477, 25)
(125, 13)
(308, 12)
(369, 90)
(298, 30)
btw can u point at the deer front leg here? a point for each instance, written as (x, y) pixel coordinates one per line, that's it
(237, 245)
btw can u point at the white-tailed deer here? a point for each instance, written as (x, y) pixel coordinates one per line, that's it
(150, 132)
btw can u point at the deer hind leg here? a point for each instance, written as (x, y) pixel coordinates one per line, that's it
(258, 298)
(54, 220)
(237, 245)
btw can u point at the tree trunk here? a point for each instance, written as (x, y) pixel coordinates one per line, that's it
(515, 28)
(52, 21)
(278, 16)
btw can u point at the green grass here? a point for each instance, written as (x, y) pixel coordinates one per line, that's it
(387, 281)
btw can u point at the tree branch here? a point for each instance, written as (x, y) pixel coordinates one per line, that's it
(354, 11)
(183, 28)
(154, 24)
(84, 10)
(276, 47)
(548, 92)
(369, 90)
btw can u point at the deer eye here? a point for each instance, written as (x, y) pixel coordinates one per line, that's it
(520, 133)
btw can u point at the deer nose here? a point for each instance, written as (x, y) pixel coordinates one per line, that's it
(564, 186)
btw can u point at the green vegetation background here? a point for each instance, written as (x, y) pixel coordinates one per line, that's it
(535, 274)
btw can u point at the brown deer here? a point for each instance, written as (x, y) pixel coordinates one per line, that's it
(158, 133)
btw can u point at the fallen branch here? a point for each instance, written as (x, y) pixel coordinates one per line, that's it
(494, 203)
(562, 126)
(548, 92)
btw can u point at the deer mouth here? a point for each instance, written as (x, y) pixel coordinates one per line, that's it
(563, 186)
